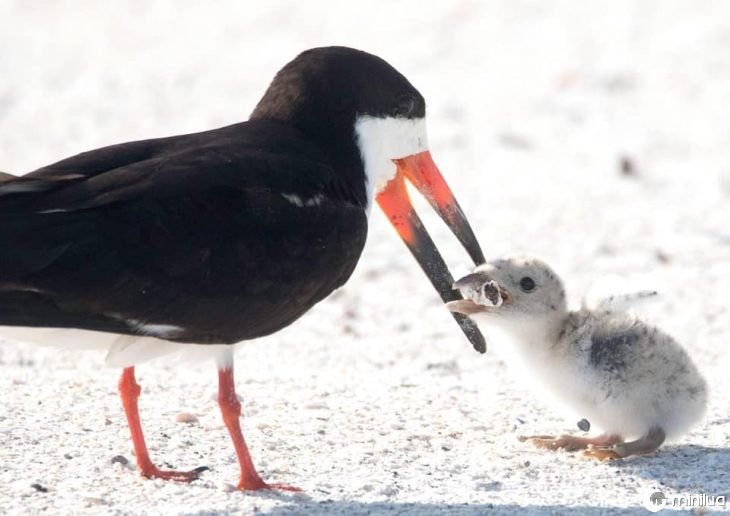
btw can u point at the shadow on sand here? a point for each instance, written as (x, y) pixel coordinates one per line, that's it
(686, 468)
(353, 508)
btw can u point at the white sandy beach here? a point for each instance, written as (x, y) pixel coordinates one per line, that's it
(374, 402)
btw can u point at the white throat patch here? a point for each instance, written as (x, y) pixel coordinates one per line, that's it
(381, 140)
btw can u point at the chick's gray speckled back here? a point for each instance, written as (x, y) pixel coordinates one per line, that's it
(630, 360)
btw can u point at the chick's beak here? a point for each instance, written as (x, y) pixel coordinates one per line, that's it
(473, 283)
(465, 306)
(422, 172)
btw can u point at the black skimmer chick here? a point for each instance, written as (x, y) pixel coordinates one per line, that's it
(626, 377)
(226, 235)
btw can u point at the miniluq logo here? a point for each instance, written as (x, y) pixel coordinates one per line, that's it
(657, 500)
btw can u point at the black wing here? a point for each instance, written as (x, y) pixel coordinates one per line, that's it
(192, 232)
(246, 155)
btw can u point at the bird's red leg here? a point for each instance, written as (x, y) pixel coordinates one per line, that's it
(129, 391)
(231, 410)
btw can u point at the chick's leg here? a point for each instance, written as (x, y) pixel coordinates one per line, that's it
(646, 444)
(570, 442)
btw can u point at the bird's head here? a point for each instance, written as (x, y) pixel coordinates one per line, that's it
(511, 290)
(370, 123)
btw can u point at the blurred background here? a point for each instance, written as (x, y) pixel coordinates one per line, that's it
(593, 134)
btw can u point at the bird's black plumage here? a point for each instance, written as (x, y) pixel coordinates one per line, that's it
(191, 231)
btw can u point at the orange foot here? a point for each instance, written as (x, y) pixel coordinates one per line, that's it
(179, 476)
(255, 483)
(564, 442)
(602, 453)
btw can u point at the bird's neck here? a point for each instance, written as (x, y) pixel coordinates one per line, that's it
(379, 140)
(528, 339)
(334, 138)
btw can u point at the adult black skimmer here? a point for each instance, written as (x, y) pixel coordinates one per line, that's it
(225, 235)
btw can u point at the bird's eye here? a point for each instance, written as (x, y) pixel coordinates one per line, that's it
(527, 284)
(405, 106)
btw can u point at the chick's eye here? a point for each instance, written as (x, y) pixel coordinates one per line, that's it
(405, 105)
(527, 284)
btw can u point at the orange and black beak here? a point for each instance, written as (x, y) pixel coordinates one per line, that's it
(422, 172)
